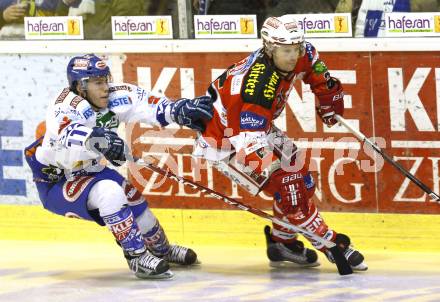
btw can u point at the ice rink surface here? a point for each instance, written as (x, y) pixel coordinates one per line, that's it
(58, 271)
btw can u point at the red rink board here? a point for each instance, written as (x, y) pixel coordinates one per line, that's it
(394, 96)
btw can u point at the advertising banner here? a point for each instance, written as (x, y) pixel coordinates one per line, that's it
(412, 24)
(54, 28)
(142, 27)
(325, 25)
(225, 26)
(392, 97)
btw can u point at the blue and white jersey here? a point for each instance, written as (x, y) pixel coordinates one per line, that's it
(70, 119)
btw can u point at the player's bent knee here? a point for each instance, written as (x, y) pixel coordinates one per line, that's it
(107, 196)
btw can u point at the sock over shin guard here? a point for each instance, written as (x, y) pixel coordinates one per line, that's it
(123, 226)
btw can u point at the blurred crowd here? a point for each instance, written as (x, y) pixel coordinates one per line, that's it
(97, 13)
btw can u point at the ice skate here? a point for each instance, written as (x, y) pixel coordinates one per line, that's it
(148, 266)
(289, 255)
(354, 257)
(181, 255)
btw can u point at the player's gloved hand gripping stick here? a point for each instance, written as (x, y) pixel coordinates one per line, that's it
(342, 264)
(388, 158)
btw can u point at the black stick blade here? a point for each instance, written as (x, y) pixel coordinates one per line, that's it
(342, 264)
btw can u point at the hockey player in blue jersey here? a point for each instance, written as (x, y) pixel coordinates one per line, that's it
(69, 172)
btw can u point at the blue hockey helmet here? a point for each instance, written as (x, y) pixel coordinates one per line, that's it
(82, 68)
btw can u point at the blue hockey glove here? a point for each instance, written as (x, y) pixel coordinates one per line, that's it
(109, 144)
(193, 113)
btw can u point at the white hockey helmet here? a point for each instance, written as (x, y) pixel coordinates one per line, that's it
(282, 30)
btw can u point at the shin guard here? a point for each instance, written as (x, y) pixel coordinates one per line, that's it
(123, 226)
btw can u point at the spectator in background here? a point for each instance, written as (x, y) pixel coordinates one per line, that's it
(13, 13)
(370, 19)
(97, 14)
(164, 8)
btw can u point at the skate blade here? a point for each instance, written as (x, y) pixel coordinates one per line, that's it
(362, 267)
(173, 264)
(288, 264)
(166, 275)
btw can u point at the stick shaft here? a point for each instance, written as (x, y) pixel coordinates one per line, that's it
(235, 203)
(342, 264)
(388, 158)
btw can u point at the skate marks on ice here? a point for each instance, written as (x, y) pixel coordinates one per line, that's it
(47, 271)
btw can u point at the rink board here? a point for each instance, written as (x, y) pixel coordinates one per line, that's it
(397, 232)
(392, 91)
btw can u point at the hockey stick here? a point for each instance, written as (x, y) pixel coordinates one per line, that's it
(342, 264)
(388, 158)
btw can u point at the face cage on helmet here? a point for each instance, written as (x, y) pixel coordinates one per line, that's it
(269, 47)
(84, 81)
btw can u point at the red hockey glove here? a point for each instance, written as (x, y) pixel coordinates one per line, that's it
(331, 102)
(289, 190)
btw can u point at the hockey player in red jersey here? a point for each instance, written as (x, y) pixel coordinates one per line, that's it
(243, 143)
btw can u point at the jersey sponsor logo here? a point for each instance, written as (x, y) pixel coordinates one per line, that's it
(319, 67)
(119, 101)
(260, 85)
(88, 113)
(72, 189)
(236, 83)
(252, 121)
(122, 229)
(253, 78)
(75, 101)
(134, 197)
(120, 87)
(62, 96)
(140, 93)
(271, 87)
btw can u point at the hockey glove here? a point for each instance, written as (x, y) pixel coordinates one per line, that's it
(291, 190)
(331, 102)
(192, 113)
(109, 144)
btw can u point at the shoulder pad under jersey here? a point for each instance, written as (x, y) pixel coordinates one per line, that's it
(72, 105)
(260, 84)
(120, 97)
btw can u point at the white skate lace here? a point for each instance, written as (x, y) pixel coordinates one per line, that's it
(177, 254)
(297, 257)
(146, 261)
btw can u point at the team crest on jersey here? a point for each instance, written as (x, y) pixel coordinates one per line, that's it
(260, 85)
(72, 189)
(107, 120)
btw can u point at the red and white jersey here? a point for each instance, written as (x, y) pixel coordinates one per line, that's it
(70, 119)
(248, 97)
